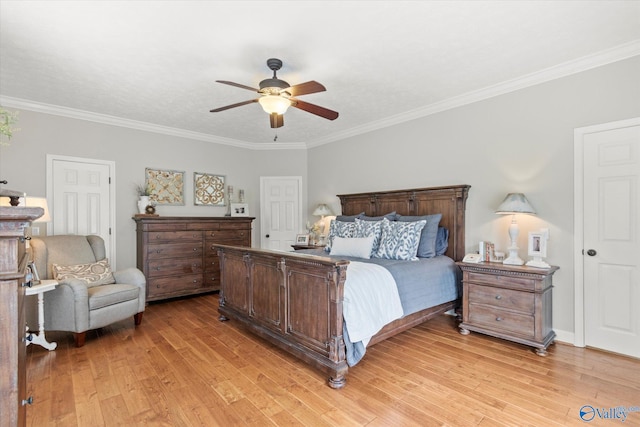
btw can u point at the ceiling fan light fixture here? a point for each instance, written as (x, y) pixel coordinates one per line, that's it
(274, 104)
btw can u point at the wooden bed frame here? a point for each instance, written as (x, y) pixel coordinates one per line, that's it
(294, 300)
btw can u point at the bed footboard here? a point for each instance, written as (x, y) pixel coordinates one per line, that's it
(292, 300)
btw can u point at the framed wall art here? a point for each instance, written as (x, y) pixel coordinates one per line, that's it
(166, 186)
(208, 189)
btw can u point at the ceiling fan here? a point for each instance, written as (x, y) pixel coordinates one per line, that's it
(277, 95)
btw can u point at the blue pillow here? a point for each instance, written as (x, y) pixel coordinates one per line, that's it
(442, 241)
(339, 229)
(400, 240)
(427, 246)
(369, 228)
(391, 216)
(349, 218)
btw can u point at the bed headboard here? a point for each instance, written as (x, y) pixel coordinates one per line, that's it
(450, 201)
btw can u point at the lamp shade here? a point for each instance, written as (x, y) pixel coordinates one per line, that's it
(515, 203)
(274, 104)
(38, 202)
(322, 210)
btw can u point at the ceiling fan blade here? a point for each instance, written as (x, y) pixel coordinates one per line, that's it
(239, 104)
(315, 109)
(305, 88)
(276, 120)
(238, 85)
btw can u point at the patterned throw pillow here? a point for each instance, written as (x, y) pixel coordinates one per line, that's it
(95, 274)
(400, 240)
(369, 229)
(339, 229)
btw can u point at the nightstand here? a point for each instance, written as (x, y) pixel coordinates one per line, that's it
(509, 302)
(300, 247)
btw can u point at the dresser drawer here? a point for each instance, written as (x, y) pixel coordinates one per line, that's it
(211, 261)
(502, 298)
(173, 267)
(174, 285)
(212, 280)
(502, 320)
(502, 280)
(158, 236)
(219, 235)
(174, 250)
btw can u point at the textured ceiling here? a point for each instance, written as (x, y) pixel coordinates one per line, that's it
(154, 63)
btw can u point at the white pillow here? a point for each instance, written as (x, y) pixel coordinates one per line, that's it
(357, 247)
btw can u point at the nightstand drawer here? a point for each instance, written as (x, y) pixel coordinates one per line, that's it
(503, 280)
(497, 319)
(502, 298)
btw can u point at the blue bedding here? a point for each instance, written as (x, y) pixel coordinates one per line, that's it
(422, 284)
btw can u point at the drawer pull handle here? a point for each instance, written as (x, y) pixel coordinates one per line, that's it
(195, 249)
(158, 251)
(498, 319)
(195, 281)
(498, 296)
(157, 236)
(27, 284)
(157, 268)
(27, 401)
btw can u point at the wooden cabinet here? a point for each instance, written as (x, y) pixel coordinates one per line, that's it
(13, 333)
(509, 302)
(176, 256)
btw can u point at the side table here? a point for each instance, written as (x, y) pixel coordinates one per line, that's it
(40, 289)
(508, 301)
(299, 247)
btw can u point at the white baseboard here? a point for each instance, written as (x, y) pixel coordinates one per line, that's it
(565, 336)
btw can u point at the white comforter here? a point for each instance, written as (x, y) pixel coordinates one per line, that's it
(371, 300)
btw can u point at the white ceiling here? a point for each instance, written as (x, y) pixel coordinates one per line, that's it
(153, 64)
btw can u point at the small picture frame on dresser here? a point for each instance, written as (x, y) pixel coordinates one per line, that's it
(537, 244)
(239, 209)
(302, 239)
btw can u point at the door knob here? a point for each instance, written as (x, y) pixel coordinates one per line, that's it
(591, 252)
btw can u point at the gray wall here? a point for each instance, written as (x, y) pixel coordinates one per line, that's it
(518, 142)
(23, 164)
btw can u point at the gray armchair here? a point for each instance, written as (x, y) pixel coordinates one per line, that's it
(76, 306)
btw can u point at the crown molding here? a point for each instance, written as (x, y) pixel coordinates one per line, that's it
(585, 63)
(57, 110)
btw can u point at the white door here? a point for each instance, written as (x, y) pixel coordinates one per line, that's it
(611, 237)
(281, 211)
(79, 191)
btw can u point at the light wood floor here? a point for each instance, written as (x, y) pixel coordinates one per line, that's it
(182, 367)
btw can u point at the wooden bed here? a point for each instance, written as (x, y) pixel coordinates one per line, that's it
(295, 300)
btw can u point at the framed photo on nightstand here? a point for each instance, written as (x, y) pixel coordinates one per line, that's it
(302, 239)
(537, 244)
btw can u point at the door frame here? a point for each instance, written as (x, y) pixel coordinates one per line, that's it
(578, 218)
(112, 196)
(263, 226)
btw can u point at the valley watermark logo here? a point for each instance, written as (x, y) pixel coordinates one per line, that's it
(620, 413)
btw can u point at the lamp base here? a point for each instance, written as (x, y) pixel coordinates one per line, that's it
(538, 263)
(513, 258)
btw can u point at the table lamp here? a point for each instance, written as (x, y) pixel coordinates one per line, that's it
(322, 210)
(514, 203)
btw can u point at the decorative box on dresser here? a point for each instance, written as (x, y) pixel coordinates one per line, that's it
(14, 277)
(509, 302)
(176, 256)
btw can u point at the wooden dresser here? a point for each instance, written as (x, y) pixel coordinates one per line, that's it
(176, 256)
(509, 302)
(14, 278)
